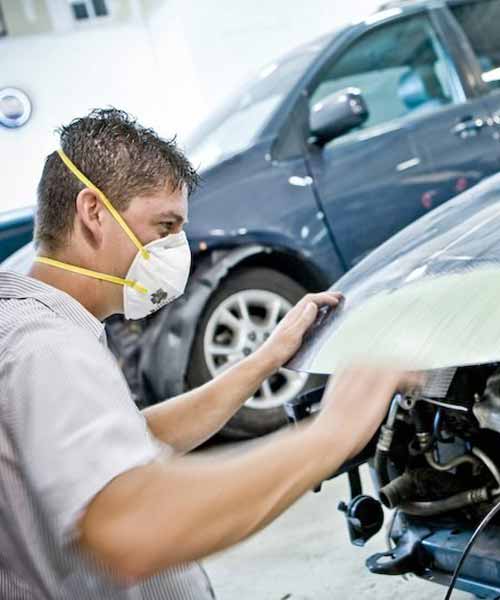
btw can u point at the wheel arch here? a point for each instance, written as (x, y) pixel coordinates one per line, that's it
(171, 332)
(288, 263)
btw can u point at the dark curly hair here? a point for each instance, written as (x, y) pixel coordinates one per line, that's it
(120, 156)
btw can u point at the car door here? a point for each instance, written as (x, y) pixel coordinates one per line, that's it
(379, 178)
(459, 142)
(479, 22)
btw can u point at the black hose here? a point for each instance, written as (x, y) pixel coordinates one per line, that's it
(397, 491)
(381, 467)
(437, 507)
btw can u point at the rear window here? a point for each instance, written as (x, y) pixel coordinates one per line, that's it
(481, 23)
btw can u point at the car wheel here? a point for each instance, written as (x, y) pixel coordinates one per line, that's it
(239, 317)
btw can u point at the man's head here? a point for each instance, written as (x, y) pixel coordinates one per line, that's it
(146, 178)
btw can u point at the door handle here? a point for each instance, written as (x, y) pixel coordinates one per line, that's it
(300, 181)
(468, 126)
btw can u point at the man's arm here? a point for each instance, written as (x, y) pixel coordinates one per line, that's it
(160, 515)
(188, 420)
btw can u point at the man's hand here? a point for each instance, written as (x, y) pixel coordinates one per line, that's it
(287, 337)
(356, 401)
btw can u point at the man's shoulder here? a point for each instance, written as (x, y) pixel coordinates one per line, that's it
(27, 323)
(42, 349)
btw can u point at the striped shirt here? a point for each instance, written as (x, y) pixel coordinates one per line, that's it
(68, 426)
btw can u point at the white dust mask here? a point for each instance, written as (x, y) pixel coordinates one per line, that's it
(164, 275)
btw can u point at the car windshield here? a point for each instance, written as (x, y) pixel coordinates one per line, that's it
(238, 123)
(426, 299)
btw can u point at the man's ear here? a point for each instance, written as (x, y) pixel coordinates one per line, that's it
(90, 217)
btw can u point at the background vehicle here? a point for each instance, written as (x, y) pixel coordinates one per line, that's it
(16, 229)
(324, 156)
(436, 459)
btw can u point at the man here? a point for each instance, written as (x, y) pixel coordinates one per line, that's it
(98, 500)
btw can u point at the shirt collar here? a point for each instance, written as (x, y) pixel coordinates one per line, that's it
(15, 285)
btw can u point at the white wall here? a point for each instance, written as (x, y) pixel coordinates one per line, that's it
(170, 67)
(230, 39)
(65, 76)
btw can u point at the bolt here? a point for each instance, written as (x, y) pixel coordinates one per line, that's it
(251, 336)
(247, 351)
(266, 335)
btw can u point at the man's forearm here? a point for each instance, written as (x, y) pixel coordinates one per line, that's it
(162, 515)
(186, 421)
(169, 512)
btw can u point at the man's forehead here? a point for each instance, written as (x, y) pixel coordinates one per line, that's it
(167, 204)
(174, 205)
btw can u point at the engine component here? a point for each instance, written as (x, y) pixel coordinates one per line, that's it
(452, 464)
(407, 557)
(436, 430)
(442, 441)
(487, 409)
(303, 406)
(397, 490)
(438, 383)
(433, 550)
(419, 484)
(444, 404)
(409, 491)
(365, 518)
(385, 441)
(439, 507)
(364, 514)
(488, 462)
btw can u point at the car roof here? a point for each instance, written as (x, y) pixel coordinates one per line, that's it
(404, 4)
(400, 4)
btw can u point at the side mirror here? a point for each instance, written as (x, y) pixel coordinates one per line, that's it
(337, 114)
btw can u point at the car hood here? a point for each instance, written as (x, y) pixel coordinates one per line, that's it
(429, 298)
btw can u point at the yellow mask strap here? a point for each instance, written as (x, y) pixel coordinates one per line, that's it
(116, 215)
(89, 273)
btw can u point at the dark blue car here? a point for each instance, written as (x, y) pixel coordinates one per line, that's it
(319, 159)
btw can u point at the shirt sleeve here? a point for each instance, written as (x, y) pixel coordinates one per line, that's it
(77, 425)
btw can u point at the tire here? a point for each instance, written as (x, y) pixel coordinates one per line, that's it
(257, 288)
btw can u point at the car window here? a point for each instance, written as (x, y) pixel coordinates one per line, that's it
(236, 125)
(481, 23)
(400, 68)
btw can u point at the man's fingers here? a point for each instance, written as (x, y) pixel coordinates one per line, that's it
(332, 298)
(323, 298)
(291, 329)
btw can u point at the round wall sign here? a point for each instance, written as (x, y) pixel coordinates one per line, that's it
(15, 107)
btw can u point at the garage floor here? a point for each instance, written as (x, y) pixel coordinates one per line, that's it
(306, 555)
